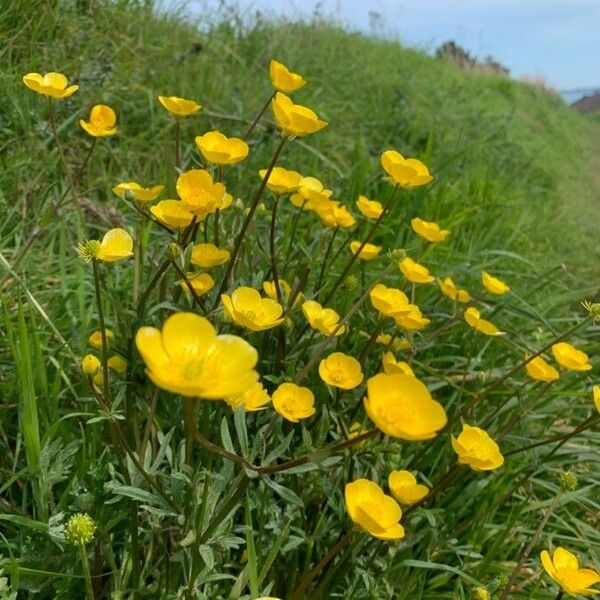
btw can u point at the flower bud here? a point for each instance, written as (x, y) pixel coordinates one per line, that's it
(90, 365)
(397, 254)
(568, 481)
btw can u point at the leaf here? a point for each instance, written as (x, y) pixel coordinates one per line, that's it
(285, 493)
(239, 420)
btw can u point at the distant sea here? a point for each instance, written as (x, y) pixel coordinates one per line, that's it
(570, 96)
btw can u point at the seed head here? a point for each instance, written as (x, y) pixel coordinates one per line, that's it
(80, 529)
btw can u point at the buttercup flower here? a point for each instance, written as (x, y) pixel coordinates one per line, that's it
(179, 107)
(221, 150)
(369, 208)
(281, 181)
(95, 339)
(138, 192)
(115, 245)
(102, 121)
(429, 231)
(311, 194)
(173, 213)
(207, 256)
(247, 308)
(200, 194)
(283, 79)
(449, 289)
(355, 430)
(253, 399)
(201, 283)
(341, 371)
(383, 338)
(188, 357)
(90, 365)
(540, 370)
(284, 288)
(569, 357)
(404, 487)
(414, 272)
(563, 567)
(389, 301)
(596, 396)
(473, 318)
(295, 119)
(401, 406)
(493, 285)
(369, 252)
(413, 320)
(325, 320)
(391, 366)
(293, 402)
(80, 529)
(405, 172)
(118, 364)
(333, 214)
(374, 511)
(477, 449)
(51, 84)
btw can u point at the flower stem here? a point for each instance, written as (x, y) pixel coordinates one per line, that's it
(177, 144)
(513, 576)
(98, 289)
(258, 116)
(240, 237)
(89, 588)
(326, 258)
(272, 249)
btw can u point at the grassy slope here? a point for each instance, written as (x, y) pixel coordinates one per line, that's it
(513, 165)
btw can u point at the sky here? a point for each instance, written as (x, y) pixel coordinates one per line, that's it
(556, 39)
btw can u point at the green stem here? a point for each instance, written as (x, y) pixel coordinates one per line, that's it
(89, 588)
(138, 259)
(177, 144)
(98, 289)
(295, 221)
(258, 116)
(326, 258)
(240, 237)
(191, 428)
(272, 249)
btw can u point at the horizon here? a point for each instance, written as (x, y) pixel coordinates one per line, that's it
(555, 40)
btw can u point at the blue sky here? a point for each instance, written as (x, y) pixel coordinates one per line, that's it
(556, 39)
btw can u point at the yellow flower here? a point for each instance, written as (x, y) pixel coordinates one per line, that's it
(173, 213)
(247, 308)
(138, 192)
(284, 288)
(102, 121)
(369, 208)
(414, 272)
(477, 449)
(355, 430)
(333, 214)
(115, 245)
(281, 181)
(540, 370)
(118, 364)
(473, 318)
(369, 252)
(563, 567)
(293, 402)
(341, 371)
(404, 487)
(391, 366)
(413, 320)
(90, 365)
(180, 107)
(325, 320)
(95, 339)
(389, 301)
(202, 283)
(493, 285)
(569, 357)
(596, 396)
(405, 172)
(221, 150)
(449, 289)
(383, 338)
(429, 231)
(207, 256)
(295, 119)
(401, 406)
(283, 79)
(253, 399)
(200, 194)
(80, 529)
(374, 511)
(481, 594)
(51, 84)
(188, 357)
(311, 194)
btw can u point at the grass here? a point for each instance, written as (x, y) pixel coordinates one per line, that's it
(515, 182)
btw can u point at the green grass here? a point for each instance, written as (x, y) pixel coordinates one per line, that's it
(515, 182)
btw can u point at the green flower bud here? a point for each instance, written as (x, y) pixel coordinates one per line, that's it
(568, 481)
